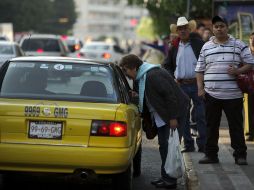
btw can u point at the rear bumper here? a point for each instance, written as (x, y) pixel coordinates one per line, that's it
(63, 159)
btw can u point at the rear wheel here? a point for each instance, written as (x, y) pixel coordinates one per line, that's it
(137, 163)
(123, 181)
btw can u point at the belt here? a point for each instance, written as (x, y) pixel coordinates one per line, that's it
(187, 81)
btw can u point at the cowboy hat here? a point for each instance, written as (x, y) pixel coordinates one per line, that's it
(181, 21)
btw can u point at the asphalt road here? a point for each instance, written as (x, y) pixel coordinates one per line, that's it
(150, 170)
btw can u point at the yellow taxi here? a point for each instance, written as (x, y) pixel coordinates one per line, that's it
(68, 116)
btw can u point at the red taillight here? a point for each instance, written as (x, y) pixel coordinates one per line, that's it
(109, 128)
(39, 50)
(64, 37)
(78, 55)
(77, 47)
(106, 55)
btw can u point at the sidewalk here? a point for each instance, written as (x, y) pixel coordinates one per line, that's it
(223, 176)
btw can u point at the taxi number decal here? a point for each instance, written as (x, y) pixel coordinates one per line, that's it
(61, 112)
(32, 111)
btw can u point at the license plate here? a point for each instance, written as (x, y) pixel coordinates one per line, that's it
(45, 130)
(91, 55)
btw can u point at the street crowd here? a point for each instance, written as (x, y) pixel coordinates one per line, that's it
(189, 90)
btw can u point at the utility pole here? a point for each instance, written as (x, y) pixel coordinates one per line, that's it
(188, 9)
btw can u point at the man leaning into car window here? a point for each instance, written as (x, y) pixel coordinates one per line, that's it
(162, 99)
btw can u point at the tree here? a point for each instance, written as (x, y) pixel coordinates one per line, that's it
(64, 17)
(25, 14)
(45, 16)
(164, 12)
(145, 29)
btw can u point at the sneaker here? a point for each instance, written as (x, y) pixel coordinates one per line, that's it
(155, 181)
(241, 161)
(209, 160)
(191, 149)
(250, 138)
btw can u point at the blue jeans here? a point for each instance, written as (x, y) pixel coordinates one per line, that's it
(192, 91)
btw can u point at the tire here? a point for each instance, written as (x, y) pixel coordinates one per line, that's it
(124, 181)
(9, 180)
(137, 163)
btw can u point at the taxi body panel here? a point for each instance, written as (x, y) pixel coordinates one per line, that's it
(23, 149)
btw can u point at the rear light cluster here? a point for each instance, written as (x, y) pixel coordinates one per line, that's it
(106, 55)
(77, 47)
(109, 128)
(39, 50)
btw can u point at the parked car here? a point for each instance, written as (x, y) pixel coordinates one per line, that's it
(44, 45)
(68, 116)
(9, 50)
(4, 38)
(102, 51)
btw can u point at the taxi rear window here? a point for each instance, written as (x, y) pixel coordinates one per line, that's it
(59, 81)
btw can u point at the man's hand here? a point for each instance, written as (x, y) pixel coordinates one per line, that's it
(133, 93)
(232, 70)
(173, 123)
(201, 93)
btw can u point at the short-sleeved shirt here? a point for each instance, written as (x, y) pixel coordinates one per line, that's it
(214, 61)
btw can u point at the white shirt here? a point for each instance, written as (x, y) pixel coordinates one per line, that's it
(186, 62)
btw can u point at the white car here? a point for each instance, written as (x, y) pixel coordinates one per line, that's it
(9, 50)
(44, 45)
(102, 51)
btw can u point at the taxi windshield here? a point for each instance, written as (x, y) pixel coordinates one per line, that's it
(59, 81)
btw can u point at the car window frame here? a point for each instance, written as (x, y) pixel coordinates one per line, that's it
(124, 87)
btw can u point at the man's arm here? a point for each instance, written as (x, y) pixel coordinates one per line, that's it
(168, 63)
(237, 71)
(200, 68)
(200, 83)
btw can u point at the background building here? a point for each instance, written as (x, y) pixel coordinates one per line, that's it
(106, 18)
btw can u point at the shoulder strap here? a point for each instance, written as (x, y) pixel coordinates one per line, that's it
(234, 51)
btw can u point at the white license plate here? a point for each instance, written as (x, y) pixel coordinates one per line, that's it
(91, 55)
(45, 130)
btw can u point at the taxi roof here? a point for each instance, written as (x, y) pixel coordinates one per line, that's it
(60, 59)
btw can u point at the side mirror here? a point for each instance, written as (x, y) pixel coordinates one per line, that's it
(118, 49)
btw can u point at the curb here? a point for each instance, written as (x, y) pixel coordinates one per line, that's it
(192, 182)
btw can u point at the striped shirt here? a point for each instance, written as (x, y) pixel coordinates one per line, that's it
(214, 61)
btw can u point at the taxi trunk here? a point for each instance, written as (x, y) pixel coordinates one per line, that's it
(54, 136)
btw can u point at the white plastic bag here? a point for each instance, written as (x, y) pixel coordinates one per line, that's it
(174, 165)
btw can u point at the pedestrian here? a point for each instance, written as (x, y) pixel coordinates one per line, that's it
(216, 69)
(161, 99)
(181, 62)
(200, 29)
(207, 35)
(251, 98)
